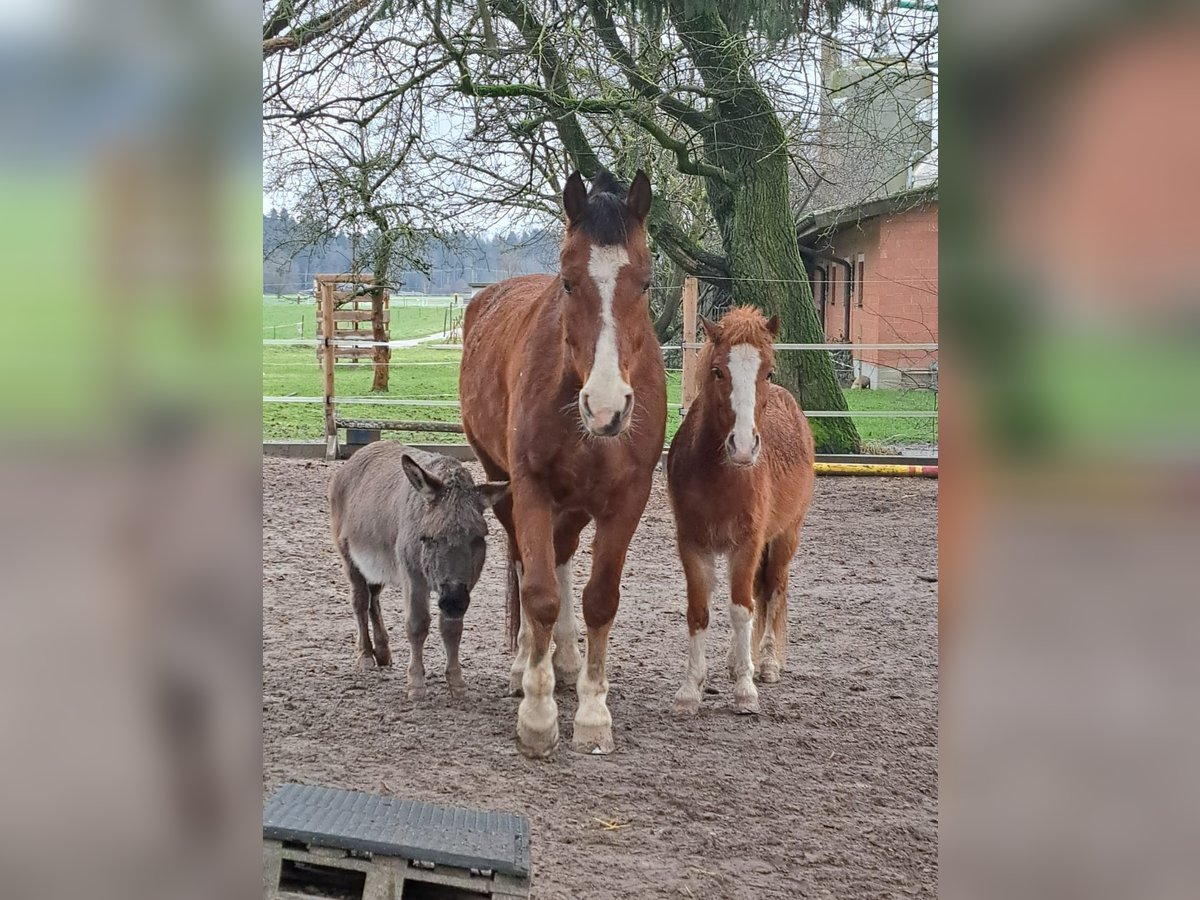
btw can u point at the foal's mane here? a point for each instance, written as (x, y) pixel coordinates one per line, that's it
(741, 325)
(607, 221)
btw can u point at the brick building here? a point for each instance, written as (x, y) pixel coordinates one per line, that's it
(873, 270)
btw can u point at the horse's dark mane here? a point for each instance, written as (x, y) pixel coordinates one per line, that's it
(606, 220)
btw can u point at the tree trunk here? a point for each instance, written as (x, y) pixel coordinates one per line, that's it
(751, 209)
(382, 355)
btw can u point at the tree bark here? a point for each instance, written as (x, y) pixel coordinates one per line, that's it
(382, 355)
(750, 205)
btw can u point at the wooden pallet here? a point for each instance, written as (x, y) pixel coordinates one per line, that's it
(348, 845)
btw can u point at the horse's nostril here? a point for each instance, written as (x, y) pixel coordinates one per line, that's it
(586, 406)
(628, 404)
(757, 442)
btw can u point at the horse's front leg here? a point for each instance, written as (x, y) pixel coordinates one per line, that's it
(537, 716)
(743, 565)
(593, 722)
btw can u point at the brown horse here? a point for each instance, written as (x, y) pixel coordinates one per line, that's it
(740, 477)
(564, 394)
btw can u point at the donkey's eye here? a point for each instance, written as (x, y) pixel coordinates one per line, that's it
(717, 374)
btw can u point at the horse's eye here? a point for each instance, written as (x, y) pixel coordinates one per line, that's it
(646, 287)
(771, 375)
(566, 286)
(717, 373)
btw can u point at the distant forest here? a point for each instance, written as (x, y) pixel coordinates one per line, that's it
(451, 263)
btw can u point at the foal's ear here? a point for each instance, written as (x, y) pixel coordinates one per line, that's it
(711, 328)
(493, 492)
(773, 326)
(429, 485)
(575, 198)
(638, 196)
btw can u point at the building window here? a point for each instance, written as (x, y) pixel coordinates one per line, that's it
(861, 266)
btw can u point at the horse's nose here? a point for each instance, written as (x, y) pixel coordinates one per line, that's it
(605, 420)
(743, 456)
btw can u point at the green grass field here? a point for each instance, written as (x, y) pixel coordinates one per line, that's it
(425, 374)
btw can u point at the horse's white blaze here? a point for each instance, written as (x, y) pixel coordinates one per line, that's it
(605, 389)
(744, 362)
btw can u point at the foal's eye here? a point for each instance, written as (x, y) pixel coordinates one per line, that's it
(566, 286)
(646, 288)
(716, 372)
(771, 375)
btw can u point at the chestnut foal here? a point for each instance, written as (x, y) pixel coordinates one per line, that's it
(564, 394)
(740, 478)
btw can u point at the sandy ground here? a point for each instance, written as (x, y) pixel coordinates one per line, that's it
(830, 792)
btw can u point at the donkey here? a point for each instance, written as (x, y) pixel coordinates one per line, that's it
(740, 479)
(414, 519)
(563, 390)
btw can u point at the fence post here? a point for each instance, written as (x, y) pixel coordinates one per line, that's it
(691, 299)
(327, 327)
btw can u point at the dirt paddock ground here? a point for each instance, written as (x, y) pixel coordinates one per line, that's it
(830, 792)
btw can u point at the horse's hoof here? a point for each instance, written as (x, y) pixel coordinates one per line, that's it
(769, 673)
(537, 745)
(565, 677)
(685, 706)
(364, 662)
(746, 701)
(458, 691)
(383, 657)
(515, 686)
(566, 666)
(593, 740)
(416, 693)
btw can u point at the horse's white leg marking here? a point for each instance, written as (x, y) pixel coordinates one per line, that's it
(687, 698)
(567, 662)
(702, 571)
(744, 363)
(605, 390)
(537, 716)
(593, 722)
(745, 694)
(524, 644)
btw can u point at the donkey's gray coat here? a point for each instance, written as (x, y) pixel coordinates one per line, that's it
(404, 517)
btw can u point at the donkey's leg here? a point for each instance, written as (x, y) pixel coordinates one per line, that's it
(360, 598)
(700, 573)
(742, 565)
(593, 722)
(383, 650)
(451, 636)
(567, 661)
(537, 716)
(773, 649)
(417, 626)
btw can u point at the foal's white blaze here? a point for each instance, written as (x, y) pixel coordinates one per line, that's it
(605, 389)
(744, 362)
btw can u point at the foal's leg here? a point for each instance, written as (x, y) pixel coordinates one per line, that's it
(537, 716)
(567, 661)
(417, 625)
(772, 651)
(742, 565)
(504, 514)
(360, 598)
(451, 636)
(383, 650)
(700, 573)
(593, 722)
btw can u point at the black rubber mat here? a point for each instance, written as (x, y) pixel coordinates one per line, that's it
(349, 820)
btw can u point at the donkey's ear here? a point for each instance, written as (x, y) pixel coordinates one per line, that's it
(575, 198)
(773, 326)
(638, 196)
(493, 492)
(711, 328)
(429, 485)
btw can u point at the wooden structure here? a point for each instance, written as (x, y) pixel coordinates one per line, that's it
(691, 318)
(351, 299)
(325, 842)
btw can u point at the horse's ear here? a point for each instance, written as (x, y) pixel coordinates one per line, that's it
(711, 328)
(638, 197)
(575, 198)
(429, 485)
(773, 326)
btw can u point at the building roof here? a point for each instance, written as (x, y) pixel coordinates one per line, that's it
(823, 221)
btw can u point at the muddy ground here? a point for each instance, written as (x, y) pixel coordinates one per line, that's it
(830, 792)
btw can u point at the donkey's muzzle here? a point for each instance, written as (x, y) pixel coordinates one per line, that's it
(453, 600)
